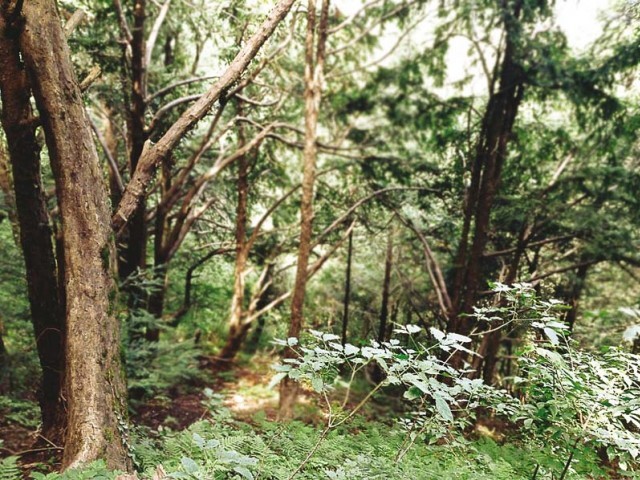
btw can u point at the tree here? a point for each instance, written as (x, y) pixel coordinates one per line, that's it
(46, 298)
(94, 384)
(313, 78)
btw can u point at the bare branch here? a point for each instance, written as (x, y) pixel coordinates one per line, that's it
(165, 90)
(113, 165)
(156, 154)
(75, 20)
(169, 106)
(155, 30)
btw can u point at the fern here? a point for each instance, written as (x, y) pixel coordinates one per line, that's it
(9, 469)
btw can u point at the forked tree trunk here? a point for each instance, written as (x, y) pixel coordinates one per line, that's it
(95, 386)
(36, 238)
(491, 152)
(313, 74)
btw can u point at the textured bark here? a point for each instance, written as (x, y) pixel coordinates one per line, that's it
(491, 152)
(95, 387)
(35, 234)
(6, 187)
(237, 330)
(347, 291)
(133, 240)
(313, 75)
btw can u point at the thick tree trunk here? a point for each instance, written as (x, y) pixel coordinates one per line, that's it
(347, 291)
(6, 187)
(35, 231)
(497, 127)
(95, 386)
(313, 74)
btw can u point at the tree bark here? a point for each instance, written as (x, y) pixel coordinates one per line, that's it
(491, 152)
(133, 241)
(238, 331)
(573, 299)
(347, 291)
(386, 289)
(35, 234)
(95, 385)
(313, 75)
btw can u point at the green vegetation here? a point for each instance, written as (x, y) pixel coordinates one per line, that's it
(386, 239)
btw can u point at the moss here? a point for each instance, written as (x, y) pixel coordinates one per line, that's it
(105, 255)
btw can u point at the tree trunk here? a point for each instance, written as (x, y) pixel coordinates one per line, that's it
(95, 385)
(134, 239)
(386, 288)
(573, 299)
(6, 186)
(35, 234)
(238, 331)
(313, 74)
(491, 152)
(484, 365)
(347, 291)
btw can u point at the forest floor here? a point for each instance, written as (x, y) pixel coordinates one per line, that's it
(243, 390)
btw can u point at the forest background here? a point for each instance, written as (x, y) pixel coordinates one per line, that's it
(425, 213)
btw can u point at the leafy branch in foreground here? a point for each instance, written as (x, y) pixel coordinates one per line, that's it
(434, 389)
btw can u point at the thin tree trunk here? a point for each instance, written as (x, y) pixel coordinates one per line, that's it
(35, 232)
(484, 365)
(133, 241)
(95, 386)
(313, 74)
(161, 258)
(238, 331)
(377, 375)
(386, 289)
(264, 300)
(347, 291)
(574, 298)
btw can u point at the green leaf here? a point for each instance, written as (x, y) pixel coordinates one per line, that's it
(317, 383)
(244, 472)
(443, 408)
(277, 378)
(189, 465)
(350, 349)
